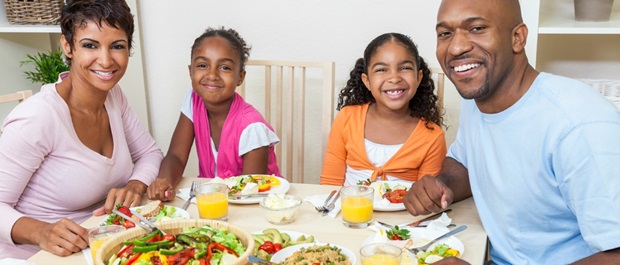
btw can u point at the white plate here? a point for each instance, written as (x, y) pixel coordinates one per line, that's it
(389, 207)
(179, 213)
(294, 235)
(281, 255)
(282, 188)
(420, 236)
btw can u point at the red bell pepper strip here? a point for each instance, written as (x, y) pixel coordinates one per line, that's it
(126, 251)
(221, 248)
(133, 259)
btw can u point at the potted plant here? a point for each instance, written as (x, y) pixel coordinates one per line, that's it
(47, 66)
(593, 10)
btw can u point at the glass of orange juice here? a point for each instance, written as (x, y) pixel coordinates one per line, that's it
(98, 235)
(212, 201)
(381, 253)
(356, 201)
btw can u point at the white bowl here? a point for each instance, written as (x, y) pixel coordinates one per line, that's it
(281, 213)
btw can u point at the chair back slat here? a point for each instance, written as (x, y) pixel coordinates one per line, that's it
(287, 90)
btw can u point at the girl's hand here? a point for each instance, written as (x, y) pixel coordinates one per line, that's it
(63, 238)
(130, 196)
(161, 189)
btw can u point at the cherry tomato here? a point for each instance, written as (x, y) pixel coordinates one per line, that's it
(267, 247)
(277, 247)
(396, 237)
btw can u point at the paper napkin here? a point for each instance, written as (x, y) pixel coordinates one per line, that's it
(184, 194)
(12, 261)
(88, 256)
(319, 200)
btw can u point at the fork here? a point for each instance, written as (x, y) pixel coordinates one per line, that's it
(324, 206)
(192, 193)
(415, 251)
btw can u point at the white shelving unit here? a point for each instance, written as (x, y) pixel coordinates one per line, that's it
(562, 45)
(564, 23)
(17, 40)
(6, 27)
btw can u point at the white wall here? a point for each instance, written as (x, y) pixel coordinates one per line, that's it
(277, 29)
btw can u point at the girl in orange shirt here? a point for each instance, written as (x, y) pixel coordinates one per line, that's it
(388, 126)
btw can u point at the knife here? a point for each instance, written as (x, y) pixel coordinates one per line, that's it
(245, 196)
(331, 205)
(416, 223)
(255, 259)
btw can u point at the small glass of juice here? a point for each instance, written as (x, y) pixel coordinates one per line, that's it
(98, 235)
(212, 201)
(356, 201)
(381, 253)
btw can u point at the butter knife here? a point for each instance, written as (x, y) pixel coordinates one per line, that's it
(416, 223)
(255, 259)
(331, 205)
(245, 196)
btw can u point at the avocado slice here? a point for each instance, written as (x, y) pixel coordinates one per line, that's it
(274, 234)
(285, 239)
(258, 239)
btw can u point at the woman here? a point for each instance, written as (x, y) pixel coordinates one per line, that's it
(75, 149)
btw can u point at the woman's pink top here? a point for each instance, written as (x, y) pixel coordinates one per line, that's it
(46, 173)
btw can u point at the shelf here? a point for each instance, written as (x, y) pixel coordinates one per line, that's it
(555, 23)
(6, 27)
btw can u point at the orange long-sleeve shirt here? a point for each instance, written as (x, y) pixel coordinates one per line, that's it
(422, 153)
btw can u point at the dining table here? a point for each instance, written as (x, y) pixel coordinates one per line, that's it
(325, 229)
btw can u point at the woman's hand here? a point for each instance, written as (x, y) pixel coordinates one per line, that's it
(161, 189)
(130, 196)
(63, 238)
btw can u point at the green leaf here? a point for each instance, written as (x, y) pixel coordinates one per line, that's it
(47, 66)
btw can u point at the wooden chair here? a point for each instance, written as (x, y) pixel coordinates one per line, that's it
(17, 96)
(294, 93)
(13, 97)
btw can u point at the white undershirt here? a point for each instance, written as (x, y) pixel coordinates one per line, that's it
(377, 154)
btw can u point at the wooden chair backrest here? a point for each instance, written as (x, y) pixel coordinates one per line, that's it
(286, 90)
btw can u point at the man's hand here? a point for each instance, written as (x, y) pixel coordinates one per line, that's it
(428, 195)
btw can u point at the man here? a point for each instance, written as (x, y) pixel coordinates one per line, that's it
(539, 153)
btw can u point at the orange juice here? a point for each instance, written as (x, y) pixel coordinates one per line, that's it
(357, 209)
(383, 259)
(100, 234)
(95, 245)
(212, 205)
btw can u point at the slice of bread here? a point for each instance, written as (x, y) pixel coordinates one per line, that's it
(151, 209)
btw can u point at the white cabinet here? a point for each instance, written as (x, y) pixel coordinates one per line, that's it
(17, 40)
(561, 45)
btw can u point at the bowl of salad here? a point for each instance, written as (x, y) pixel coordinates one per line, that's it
(189, 241)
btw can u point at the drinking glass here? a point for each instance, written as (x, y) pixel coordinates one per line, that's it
(381, 253)
(356, 201)
(212, 201)
(98, 235)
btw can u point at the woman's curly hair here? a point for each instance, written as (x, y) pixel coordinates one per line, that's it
(424, 102)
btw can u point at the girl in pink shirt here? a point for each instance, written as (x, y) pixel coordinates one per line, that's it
(232, 137)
